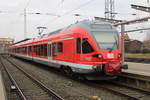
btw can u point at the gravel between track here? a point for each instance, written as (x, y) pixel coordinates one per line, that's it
(66, 87)
(11, 95)
(31, 90)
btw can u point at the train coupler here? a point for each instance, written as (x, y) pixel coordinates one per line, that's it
(97, 68)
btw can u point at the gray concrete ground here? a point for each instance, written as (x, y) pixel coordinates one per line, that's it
(2, 94)
(138, 68)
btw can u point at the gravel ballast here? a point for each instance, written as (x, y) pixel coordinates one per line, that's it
(66, 87)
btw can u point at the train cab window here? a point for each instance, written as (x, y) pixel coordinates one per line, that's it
(60, 47)
(86, 47)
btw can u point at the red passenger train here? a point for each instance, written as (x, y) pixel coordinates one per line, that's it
(90, 48)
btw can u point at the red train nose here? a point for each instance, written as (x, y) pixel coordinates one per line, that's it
(112, 68)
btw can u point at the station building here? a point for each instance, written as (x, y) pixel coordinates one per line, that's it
(133, 45)
(4, 43)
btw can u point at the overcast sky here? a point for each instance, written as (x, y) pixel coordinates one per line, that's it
(12, 15)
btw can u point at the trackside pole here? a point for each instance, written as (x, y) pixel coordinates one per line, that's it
(122, 34)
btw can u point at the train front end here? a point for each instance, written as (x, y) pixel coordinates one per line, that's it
(110, 52)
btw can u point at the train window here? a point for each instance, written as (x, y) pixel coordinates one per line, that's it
(41, 50)
(49, 50)
(45, 50)
(60, 47)
(37, 50)
(34, 47)
(86, 47)
(25, 50)
(29, 49)
(78, 42)
(17, 50)
(21, 50)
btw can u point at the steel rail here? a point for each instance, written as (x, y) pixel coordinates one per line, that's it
(135, 88)
(119, 92)
(51, 92)
(13, 81)
(115, 91)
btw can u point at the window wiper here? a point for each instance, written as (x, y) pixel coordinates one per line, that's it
(114, 44)
(110, 49)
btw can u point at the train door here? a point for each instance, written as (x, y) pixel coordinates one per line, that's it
(83, 50)
(54, 50)
(69, 50)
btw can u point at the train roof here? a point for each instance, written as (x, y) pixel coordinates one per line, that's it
(86, 24)
(89, 25)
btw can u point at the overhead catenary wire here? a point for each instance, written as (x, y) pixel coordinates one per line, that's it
(51, 14)
(77, 8)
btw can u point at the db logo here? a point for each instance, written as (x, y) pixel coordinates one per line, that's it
(110, 55)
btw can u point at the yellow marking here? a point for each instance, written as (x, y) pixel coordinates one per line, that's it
(62, 39)
(57, 40)
(95, 98)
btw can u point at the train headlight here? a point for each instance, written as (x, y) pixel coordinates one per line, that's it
(98, 55)
(119, 55)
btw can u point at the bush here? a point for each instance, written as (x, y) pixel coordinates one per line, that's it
(137, 51)
(145, 51)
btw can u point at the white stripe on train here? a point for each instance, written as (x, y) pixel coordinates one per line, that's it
(79, 68)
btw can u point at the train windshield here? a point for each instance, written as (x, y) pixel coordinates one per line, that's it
(107, 40)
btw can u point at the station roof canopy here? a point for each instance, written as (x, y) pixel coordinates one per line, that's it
(22, 40)
(141, 8)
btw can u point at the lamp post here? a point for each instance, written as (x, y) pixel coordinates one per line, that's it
(25, 24)
(78, 16)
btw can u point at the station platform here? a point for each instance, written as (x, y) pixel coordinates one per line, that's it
(2, 92)
(138, 68)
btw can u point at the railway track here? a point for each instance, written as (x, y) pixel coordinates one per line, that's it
(128, 91)
(28, 87)
(132, 93)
